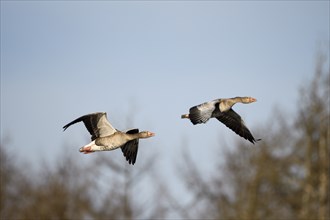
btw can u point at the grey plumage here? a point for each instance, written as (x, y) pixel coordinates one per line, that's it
(105, 137)
(221, 109)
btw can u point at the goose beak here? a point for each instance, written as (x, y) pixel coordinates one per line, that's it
(253, 99)
(151, 134)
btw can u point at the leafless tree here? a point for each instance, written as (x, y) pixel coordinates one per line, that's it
(14, 186)
(285, 176)
(104, 186)
(313, 126)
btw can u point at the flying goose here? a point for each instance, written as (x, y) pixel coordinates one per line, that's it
(221, 109)
(106, 138)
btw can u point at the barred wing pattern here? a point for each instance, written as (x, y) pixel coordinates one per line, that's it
(202, 113)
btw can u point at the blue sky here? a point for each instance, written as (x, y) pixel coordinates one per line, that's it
(146, 63)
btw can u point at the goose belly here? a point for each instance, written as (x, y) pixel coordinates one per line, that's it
(106, 143)
(104, 148)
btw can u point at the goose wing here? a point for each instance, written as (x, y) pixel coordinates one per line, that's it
(130, 149)
(97, 124)
(203, 112)
(234, 121)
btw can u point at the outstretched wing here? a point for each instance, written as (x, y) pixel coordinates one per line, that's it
(97, 124)
(130, 149)
(203, 112)
(234, 121)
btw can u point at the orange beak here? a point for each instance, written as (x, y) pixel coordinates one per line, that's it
(253, 99)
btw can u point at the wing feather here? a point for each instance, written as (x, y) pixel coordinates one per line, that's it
(202, 113)
(234, 121)
(130, 149)
(97, 124)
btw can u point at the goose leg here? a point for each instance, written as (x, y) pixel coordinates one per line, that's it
(87, 149)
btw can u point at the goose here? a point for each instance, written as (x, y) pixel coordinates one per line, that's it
(107, 138)
(221, 109)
